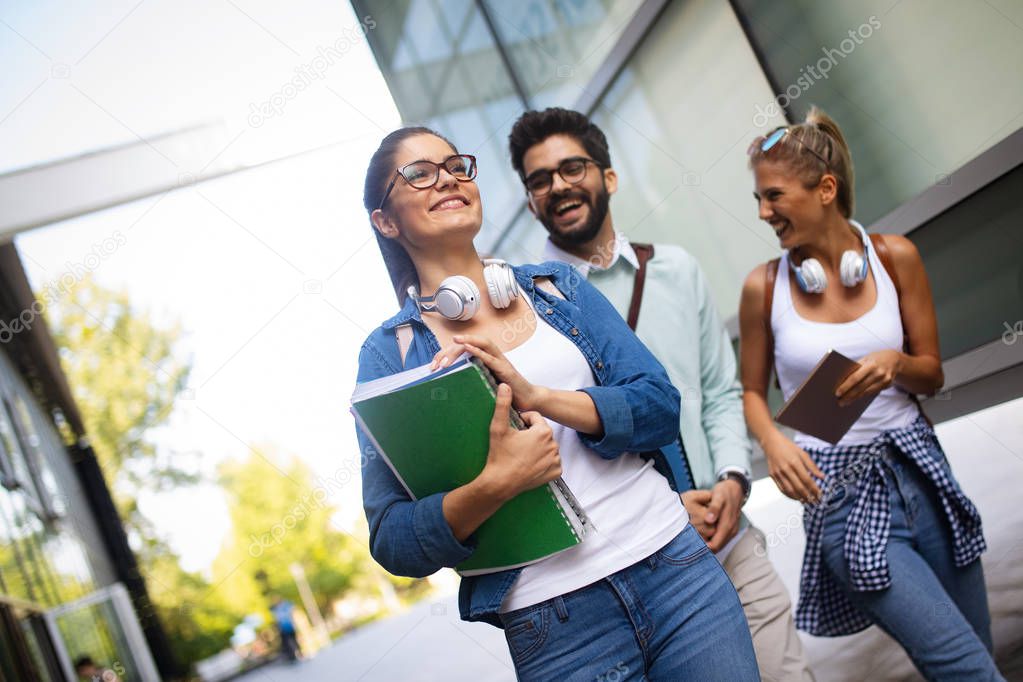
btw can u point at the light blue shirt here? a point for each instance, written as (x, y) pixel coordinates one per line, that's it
(680, 325)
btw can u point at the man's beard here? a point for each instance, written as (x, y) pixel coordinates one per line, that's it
(589, 229)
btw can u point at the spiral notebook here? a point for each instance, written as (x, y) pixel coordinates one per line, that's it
(433, 430)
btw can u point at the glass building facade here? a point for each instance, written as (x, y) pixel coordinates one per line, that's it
(61, 591)
(680, 87)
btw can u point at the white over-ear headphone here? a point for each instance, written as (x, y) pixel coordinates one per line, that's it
(853, 269)
(458, 297)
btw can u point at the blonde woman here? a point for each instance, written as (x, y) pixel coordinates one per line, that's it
(891, 538)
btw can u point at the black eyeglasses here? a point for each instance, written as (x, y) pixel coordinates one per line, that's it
(571, 170)
(424, 174)
(765, 143)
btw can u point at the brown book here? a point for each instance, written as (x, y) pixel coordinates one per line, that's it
(814, 409)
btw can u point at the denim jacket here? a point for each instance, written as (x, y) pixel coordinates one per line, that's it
(637, 404)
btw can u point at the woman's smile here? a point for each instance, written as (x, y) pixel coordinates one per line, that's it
(450, 202)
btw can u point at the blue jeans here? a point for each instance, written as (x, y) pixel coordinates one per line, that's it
(671, 616)
(934, 609)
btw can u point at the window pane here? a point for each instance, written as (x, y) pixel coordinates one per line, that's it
(462, 91)
(10, 449)
(919, 88)
(976, 303)
(680, 152)
(556, 46)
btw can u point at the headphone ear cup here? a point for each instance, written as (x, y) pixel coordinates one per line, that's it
(852, 268)
(457, 298)
(810, 276)
(501, 284)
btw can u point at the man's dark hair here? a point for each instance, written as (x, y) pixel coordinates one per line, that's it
(533, 127)
(84, 662)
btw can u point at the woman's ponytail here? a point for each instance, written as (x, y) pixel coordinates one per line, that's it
(820, 133)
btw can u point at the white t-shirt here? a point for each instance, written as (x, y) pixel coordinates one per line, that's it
(799, 344)
(633, 509)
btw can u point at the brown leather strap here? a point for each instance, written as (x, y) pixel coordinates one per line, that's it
(885, 256)
(644, 252)
(770, 274)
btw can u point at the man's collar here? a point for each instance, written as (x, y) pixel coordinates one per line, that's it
(620, 246)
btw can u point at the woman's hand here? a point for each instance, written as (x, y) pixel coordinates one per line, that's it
(527, 396)
(715, 513)
(696, 502)
(791, 468)
(877, 372)
(518, 460)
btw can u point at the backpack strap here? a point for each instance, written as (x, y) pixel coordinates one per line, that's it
(403, 332)
(885, 256)
(770, 275)
(644, 252)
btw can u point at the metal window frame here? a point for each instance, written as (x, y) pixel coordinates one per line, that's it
(16, 409)
(625, 47)
(117, 595)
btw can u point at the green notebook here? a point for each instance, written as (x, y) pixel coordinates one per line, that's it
(433, 430)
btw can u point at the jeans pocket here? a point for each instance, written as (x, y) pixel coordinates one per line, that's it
(685, 549)
(525, 630)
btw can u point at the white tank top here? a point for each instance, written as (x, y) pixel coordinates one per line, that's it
(799, 344)
(633, 509)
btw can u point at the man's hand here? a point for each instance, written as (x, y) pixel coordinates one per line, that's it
(723, 512)
(695, 502)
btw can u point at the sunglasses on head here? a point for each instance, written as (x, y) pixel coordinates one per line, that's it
(766, 142)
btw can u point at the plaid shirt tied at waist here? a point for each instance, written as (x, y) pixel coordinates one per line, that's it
(823, 609)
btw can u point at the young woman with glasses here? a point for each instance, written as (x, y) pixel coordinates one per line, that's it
(891, 540)
(641, 596)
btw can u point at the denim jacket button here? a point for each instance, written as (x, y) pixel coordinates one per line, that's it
(574, 332)
(549, 311)
(600, 365)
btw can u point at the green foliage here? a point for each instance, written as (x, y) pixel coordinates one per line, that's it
(280, 515)
(196, 618)
(125, 376)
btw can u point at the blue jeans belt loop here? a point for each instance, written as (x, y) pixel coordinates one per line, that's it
(560, 608)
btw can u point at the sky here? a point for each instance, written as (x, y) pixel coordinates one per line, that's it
(271, 272)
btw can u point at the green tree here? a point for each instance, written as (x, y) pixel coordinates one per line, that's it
(125, 373)
(280, 515)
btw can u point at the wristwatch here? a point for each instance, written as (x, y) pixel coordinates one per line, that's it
(740, 475)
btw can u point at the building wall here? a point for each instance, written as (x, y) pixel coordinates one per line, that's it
(50, 549)
(921, 88)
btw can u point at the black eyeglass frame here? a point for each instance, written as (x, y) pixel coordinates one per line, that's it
(472, 172)
(571, 159)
